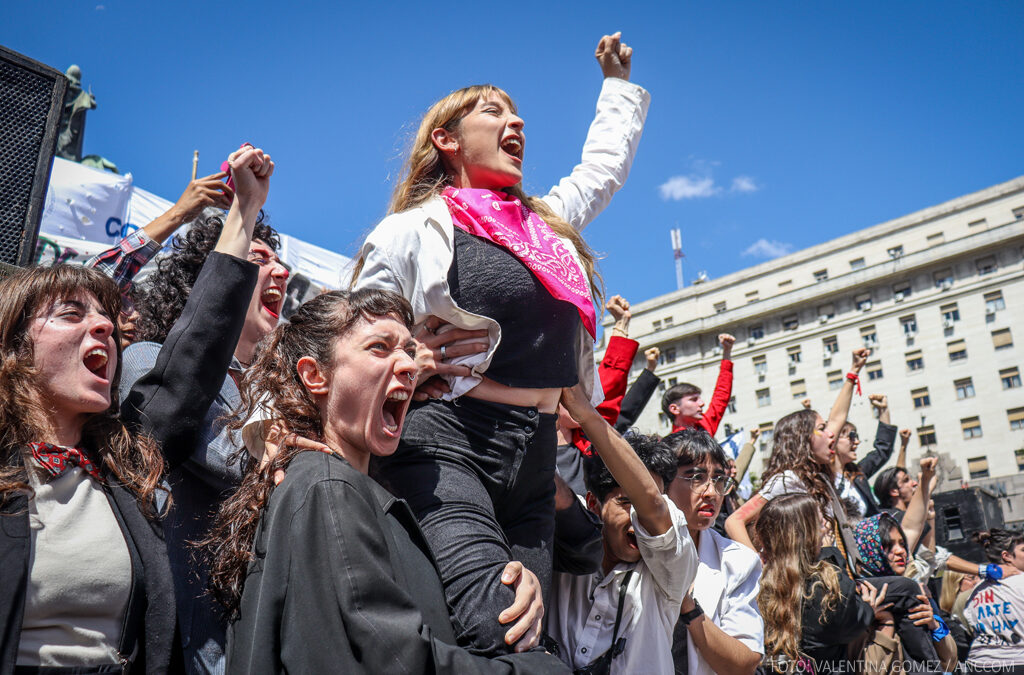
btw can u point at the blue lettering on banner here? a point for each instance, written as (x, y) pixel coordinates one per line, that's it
(116, 229)
(127, 229)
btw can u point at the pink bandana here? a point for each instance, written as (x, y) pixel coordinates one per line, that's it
(490, 215)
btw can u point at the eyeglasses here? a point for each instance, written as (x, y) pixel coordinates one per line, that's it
(852, 436)
(699, 480)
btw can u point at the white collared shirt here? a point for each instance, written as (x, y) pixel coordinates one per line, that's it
(726, 588)
(583, 609)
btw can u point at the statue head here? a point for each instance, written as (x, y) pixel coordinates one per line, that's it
(74, 73)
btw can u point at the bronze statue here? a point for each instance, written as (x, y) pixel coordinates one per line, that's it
(72, 123)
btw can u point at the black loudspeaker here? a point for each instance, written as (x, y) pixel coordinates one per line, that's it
(31, 98)
(961, 513)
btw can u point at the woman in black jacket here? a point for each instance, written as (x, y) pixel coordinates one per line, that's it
(322, 569)
(81, 549)
(812, 611)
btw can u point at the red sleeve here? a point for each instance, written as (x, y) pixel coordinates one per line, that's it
(720, 400)
(614, 374)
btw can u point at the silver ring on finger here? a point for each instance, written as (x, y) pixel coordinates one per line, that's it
(444, 352)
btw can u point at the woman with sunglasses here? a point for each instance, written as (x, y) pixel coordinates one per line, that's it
(720, 628)
(851, 476)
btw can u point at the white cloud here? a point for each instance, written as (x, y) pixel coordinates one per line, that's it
(767, 248)
(744, 184)
(693, 186)
(100, 8)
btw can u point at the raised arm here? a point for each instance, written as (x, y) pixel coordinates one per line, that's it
(736, 524)
(746, 455)
(628, 470)
(640, 392)
(611, 141)
(885, 435)
(841, 408)
(719, 402)
(901, 457)
(917, 511)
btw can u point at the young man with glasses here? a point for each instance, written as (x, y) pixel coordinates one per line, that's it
(719, 628)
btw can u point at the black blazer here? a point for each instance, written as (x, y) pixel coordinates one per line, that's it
(885, 435)
(169, 403)
(343, 582)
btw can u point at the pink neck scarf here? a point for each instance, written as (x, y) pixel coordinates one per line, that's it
(491, 215)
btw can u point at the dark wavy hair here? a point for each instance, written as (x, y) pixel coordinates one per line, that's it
(792, 450)
(655, 455)
(272, 381)
(132, 458)
(997, 541)
(161, 297)
(886, 482)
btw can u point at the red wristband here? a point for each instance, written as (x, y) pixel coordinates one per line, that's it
(853, 377)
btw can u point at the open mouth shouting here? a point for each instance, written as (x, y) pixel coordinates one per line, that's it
(512, 146)
(393, 410)
(95, 361)
(706, 511)
(271, 300)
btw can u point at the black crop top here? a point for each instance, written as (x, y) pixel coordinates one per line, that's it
(539, 334)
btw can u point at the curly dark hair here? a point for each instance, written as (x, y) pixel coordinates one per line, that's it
(273, 377)
(132, 458)
(655, 455)
(792, 450)
(161, 297)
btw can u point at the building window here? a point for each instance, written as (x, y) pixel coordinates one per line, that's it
(964, 388)
(921, 398)
(753, 296)
(1016, 417)
(915, 361)
(821, 275)
(1019, 454)
(895, 251)
(901, 292)
(950, 314)
(670, 355)
(977, 467)
(1002, 339)
(986, 265)
(874, 370)
(720, 307)
(656, 324)
(764, 440)
(994, 302)
(798, 388)
(785, 282)
(957, 350)
(757, 332)
(732, 404)
(830, 344)
(935, 238)
(976, 223)
(661, 386)
(1018, 213)
(668, 321)
(790, 322)
(835, 379)
(760, 365)
(971, 426)
(943, 279)
(1010, 378)
(764, 398)
(826, 312)
(857, 264)
(663, 419)
(926, 435)
(673, 381)
(909, 324)
(869, 336)
(863, 302)
(794, 354)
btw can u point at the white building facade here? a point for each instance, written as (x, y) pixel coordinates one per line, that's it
(938, 295)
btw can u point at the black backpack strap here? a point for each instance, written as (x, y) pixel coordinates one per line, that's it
(619, 645)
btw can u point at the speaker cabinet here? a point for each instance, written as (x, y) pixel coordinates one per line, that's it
(31, 98)
(961, 513)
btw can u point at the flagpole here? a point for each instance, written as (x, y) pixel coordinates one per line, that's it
(195, 163)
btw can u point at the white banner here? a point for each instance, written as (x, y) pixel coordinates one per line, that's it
(88, 211)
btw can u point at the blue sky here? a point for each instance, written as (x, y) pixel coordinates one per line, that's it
(773, 125)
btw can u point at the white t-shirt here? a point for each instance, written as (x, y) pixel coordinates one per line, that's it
(849, 493)
(786, 483)
(995, 612)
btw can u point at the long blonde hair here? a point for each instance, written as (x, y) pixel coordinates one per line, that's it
(425, 175)
(790, 532)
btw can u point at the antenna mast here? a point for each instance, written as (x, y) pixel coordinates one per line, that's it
(677, 252)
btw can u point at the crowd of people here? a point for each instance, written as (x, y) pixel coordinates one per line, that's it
(428, 472)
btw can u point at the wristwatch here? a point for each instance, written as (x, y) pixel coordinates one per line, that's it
(692, 614)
